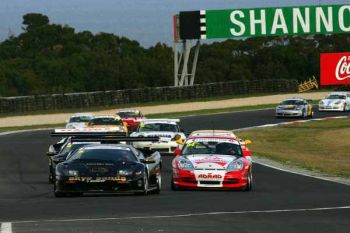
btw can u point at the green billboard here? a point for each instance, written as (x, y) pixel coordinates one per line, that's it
(231, 23)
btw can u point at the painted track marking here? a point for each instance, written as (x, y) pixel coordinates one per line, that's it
(185, 215)
(6, 227)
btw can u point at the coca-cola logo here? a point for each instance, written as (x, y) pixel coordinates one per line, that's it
(209, 176)
(342, 71)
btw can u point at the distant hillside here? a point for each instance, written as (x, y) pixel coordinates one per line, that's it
(50, 58)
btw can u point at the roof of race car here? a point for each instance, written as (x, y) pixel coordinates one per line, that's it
(82, 114)
(129, 110)
(208, 133)
(296, 98)
(212, 139)
(107, 116)
(108, 146)
(165, 121)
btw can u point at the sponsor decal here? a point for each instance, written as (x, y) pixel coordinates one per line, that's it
(335, 68)
(209, 176)
(215, 159)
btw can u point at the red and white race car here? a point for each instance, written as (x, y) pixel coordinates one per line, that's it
(131, 117)
(212, 159)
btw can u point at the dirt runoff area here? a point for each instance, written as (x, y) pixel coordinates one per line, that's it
(46, 119)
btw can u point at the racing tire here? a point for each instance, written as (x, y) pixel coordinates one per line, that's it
(57, 193)
(312, 114)
(51, 180)
(174, 187)
(304, 114)
(159, 184)
(145, 185)
(249, 185)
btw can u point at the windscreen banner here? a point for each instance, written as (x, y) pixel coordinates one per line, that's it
(335, 69)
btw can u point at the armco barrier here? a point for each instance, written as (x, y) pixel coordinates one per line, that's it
(144, 95)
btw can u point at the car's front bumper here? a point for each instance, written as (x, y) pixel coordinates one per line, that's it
(330, 108)
(66, 184)
(289, 113)
(231, 180)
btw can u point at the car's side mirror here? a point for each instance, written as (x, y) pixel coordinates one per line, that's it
(177, 152)
(58, 159)
(247, 142)
(50, 153)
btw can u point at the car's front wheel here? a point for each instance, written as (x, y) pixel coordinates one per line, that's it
(145, 185)
(174, 186)
(159, 184)
(58, 193)
(249, 185)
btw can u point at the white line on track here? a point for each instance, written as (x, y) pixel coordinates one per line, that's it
(6, 227)
(186, 215)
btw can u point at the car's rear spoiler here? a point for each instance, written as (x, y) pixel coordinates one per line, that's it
(116, 139)
(86, 133)
(98, 135)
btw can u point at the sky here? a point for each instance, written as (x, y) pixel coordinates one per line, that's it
(147, 21)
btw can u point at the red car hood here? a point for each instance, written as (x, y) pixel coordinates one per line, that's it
(211, 161)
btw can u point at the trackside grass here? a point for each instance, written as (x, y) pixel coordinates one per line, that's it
(322, 146)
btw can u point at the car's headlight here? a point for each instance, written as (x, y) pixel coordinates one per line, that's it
(235, 165)
(338, 102)
(72, 173)
(138, 173)
(321, 103)
(124, 172)
(298, 107)
(278, 107)
(185, 164)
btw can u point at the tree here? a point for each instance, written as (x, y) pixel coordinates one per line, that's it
(34, 20)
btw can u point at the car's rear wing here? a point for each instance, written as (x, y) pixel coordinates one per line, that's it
(116, 140)
(99, 135)
(87, 132)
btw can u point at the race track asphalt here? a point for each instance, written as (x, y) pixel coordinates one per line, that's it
(280, 202)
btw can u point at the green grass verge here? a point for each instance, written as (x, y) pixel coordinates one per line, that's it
(321, 146)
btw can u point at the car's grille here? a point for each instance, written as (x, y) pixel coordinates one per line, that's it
(210, 182)
(231, 181)
(98, 169)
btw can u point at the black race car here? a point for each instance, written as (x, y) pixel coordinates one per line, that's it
(109, 168)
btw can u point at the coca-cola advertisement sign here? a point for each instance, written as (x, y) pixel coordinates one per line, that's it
(335, 68)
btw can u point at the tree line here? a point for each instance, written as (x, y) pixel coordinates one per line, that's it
(51, 58)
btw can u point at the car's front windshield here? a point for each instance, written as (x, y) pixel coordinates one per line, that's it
(71, 147)
(118, 154)
(212, 147)
(336, 97)
(292, 102)
(158, 127)
(106, 121)
(80, 119)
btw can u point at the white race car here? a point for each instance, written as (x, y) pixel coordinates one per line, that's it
(335, 101)
(168, 131)
(79, 120)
